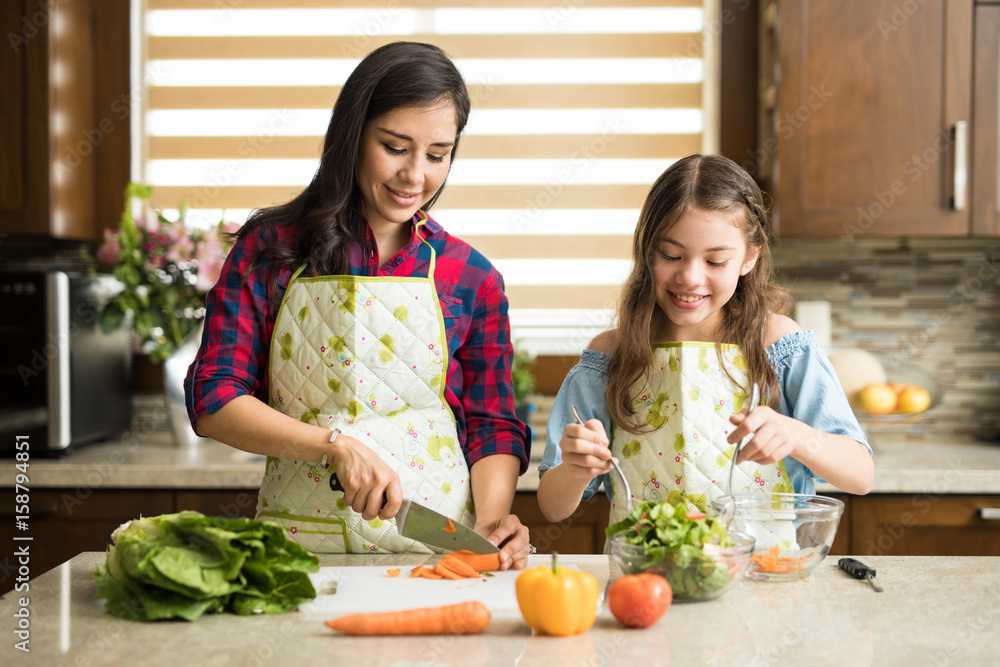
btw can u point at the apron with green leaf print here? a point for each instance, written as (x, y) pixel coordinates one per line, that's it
(688, 398)
(366, 355)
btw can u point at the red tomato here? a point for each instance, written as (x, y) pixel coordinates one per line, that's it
(639, 600)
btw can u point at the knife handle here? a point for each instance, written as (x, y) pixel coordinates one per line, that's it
(855, 568)
(335, 485)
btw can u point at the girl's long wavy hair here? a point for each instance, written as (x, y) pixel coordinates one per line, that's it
(329, 212)
(710, 183)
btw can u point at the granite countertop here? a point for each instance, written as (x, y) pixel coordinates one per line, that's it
(934, 611)
(149, 459)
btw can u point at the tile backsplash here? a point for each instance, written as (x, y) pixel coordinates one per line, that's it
(932, 303)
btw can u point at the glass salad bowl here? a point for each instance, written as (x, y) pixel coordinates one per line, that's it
(694, 573)
(793, 532)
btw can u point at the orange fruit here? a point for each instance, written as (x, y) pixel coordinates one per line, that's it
(877, 399)
(913, 399)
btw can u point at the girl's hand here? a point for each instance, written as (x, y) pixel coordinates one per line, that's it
(365, 478)
(772, 435)
(585, 450)
(511, 536)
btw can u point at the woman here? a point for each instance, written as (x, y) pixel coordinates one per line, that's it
(380, 342)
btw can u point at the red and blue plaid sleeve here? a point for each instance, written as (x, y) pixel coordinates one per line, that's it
(478, 386)
(488, 398)
(232, 360)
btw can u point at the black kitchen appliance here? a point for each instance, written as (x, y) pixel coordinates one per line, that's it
(63, 381)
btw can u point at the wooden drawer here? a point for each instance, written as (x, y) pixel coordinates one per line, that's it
(581, 533)
(65, 522)
(926, 525)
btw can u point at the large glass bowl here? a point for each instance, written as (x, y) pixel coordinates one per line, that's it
(793, 532)
(693, 574)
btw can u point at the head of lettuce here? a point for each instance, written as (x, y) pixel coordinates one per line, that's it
(188, 564)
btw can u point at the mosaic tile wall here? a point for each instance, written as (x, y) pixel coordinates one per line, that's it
(930, 303)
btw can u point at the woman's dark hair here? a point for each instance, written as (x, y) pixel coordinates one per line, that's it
(329, 212)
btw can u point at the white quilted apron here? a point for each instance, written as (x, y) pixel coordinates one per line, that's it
(688, 399)
(366, 355)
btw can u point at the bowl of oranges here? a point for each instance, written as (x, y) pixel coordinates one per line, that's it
(883, 389)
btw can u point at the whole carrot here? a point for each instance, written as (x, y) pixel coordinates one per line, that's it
(466, 618)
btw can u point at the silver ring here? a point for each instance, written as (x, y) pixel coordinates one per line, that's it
(532, 549)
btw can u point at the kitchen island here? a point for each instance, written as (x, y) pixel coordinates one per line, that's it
(934, 611)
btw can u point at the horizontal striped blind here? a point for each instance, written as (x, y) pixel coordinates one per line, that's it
(577, 108)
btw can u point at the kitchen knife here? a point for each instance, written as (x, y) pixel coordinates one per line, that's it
(425, 525)
(859, 570)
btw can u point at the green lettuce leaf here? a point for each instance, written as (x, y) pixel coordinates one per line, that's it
(188, 564)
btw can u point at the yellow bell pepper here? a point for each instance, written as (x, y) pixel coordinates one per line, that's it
(557, 600)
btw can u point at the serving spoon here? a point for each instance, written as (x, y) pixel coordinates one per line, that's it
(725, 506)
(628, 491)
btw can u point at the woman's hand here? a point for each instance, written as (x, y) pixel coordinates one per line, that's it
(772, 432)
(585, 451)
(511, 536)
(365, 478)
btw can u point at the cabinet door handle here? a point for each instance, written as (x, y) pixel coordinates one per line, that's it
(960, 135)
(989, 513)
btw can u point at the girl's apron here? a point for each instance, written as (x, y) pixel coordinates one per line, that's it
(366, 355)
(688, 399)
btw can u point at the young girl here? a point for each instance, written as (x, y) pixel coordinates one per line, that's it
(699, 321)
(357, 344)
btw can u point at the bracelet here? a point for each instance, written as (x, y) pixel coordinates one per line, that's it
(333, 436)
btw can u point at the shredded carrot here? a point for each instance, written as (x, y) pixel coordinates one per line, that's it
(773, 562)
(394, 573)
(450, 528)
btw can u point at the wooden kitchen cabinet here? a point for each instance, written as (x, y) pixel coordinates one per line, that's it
(926, 524)
(860, 105)
(582, 533)
(986, 118)
(64, 118)
(66, 522)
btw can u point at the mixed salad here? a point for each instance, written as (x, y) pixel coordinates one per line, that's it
(681, 544)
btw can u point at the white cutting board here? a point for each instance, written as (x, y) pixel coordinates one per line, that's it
(362, 589)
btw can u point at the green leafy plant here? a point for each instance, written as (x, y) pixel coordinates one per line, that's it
(166, 267)
(521, 374)
(188, 564)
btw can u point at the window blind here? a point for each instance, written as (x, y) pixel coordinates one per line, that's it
(577, 107)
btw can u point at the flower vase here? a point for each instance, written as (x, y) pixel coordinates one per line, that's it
(175, 369)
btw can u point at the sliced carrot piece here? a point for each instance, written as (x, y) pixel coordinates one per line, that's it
(450, 528)
(460, 567)
(446, 573)
(394, 572)
(429, 573)
(478, 562)
(415, 572)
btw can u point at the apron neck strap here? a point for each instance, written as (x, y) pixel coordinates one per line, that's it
(421, 221)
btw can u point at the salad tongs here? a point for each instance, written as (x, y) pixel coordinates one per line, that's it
(628, 491)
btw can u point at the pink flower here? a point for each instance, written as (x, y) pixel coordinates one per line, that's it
(148, 221)
(180, 249)
(210, 258)
(108, 252)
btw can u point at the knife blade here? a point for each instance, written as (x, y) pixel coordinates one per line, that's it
(425, 525)
(859, 570)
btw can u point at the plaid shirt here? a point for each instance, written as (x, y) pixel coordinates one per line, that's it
(233, 358)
